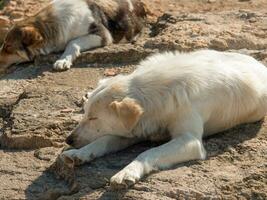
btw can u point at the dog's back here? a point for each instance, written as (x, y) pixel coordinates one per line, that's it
(225, 88)
(123, 18)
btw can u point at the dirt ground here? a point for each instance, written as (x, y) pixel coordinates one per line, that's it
(38, 109)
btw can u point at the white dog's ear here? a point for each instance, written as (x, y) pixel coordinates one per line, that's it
(129, 111)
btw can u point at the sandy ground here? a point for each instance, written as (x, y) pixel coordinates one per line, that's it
(38, 109)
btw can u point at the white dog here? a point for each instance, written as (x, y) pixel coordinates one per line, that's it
(179, 96)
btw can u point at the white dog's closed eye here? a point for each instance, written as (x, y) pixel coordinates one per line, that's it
(92, 118)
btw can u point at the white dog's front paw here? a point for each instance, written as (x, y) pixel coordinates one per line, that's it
(62, 65)
(72, 157)
(124, 179)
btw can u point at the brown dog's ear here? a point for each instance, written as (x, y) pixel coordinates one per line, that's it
(129, 111)
(31, 36)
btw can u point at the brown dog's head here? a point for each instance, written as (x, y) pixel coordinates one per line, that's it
(18, 46)
(105, 115)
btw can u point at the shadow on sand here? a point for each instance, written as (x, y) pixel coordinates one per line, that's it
(95, 176)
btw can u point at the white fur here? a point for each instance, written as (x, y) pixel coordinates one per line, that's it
(189, 95)
(75, 18)
(220, 88)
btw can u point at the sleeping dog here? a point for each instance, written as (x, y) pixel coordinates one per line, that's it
(180, 97)
(73, 26)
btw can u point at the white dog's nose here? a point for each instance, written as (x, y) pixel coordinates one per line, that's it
(70, 140)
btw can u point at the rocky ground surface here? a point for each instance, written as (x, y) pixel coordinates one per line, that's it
(38, 108)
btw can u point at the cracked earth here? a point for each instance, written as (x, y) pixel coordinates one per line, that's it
(38, 109)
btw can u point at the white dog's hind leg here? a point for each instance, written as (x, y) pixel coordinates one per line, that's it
(181, 149)
(98, 148)
(74, 49)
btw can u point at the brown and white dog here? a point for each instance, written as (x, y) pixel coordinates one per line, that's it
(73, 26)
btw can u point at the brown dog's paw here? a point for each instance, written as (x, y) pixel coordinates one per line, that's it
(62, 65)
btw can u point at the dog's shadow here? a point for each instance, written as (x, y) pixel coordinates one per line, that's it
(93, 178)
(34, 69)
(96, 58)
(25, 71)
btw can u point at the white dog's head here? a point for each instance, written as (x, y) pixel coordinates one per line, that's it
(107, 112)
